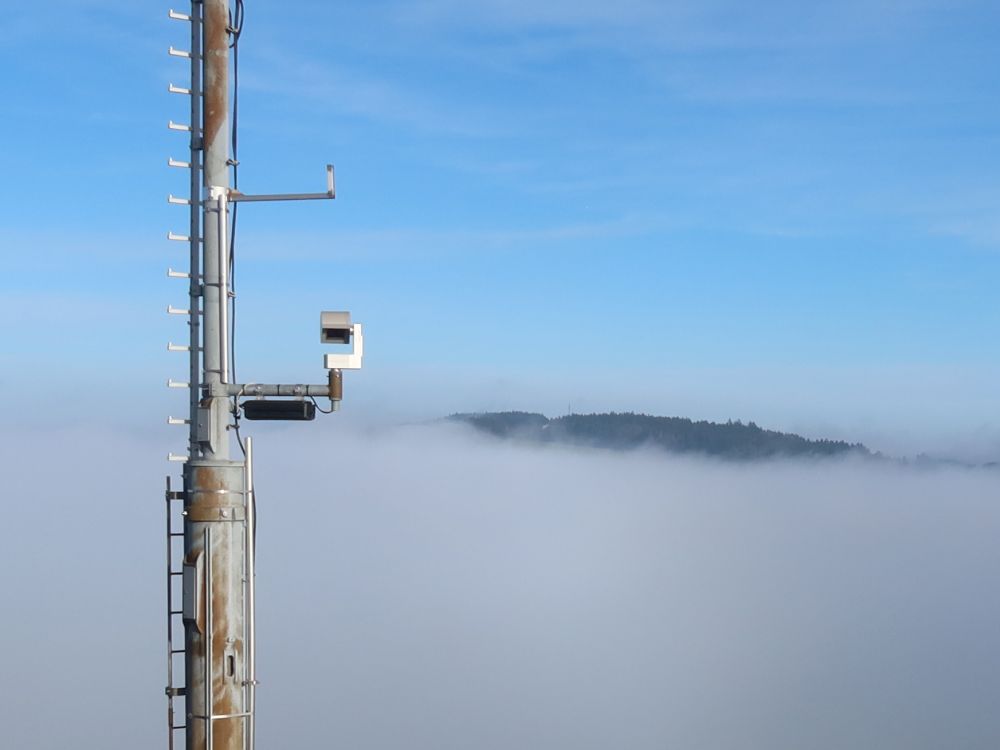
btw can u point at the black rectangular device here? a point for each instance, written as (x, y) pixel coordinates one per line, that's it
(294, 410)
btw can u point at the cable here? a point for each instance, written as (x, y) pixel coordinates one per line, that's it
(320, 408)
(236, 425)
(236, 22)
(236, 29)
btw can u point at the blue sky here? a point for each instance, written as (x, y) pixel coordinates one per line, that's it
(784, 212)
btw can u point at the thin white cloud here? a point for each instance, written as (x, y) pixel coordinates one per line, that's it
(964, 210)
(643, 25)
(411, 242)
(984, 230)
(347, 90)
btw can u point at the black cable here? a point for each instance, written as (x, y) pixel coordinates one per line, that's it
(239, 441)
(236, 29)
(320, 408)
(236, 425)
(236, 23)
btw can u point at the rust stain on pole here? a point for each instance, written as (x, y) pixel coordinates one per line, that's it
(216, 72)
(216, 499)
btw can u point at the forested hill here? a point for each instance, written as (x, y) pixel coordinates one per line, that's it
(731, 440)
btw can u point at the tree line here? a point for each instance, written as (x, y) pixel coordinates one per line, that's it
(628, 430)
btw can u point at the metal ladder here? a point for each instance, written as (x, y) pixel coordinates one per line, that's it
(173, 614)
(174, 527)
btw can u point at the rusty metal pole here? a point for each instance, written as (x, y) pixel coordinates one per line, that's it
(214, 588)
(218, 568)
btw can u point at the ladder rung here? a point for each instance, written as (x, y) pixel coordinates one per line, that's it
(179, 726)
(175, 495)
(172, 347)
(171, 273)
(178, 16)
(171, 310)
(178, 201)
(178, 89)
(177, 651)
(174, 52)
(178, 126)
(178, 237)
(172, 162)
(176, 612)
(176, 533)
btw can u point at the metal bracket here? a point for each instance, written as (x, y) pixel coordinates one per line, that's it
(217, 513)
(236, 196)
(350, 361)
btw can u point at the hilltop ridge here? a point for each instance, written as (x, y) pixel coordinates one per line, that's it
(734, 440)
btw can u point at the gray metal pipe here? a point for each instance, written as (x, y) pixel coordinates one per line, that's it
(215, 182)
(194, 231)
(215, 540)
(251, 589)
(209, 707)
(222, 210)
(253, 390)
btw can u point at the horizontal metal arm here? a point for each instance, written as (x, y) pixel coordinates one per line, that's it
(242, 198)
(266, 389)
(331, 192)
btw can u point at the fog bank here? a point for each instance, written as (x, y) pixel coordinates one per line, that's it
(427, 587)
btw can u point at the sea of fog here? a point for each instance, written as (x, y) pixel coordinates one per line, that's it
(428, 588)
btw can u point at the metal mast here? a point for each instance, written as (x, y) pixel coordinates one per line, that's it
(214, 504)
(216, 575)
